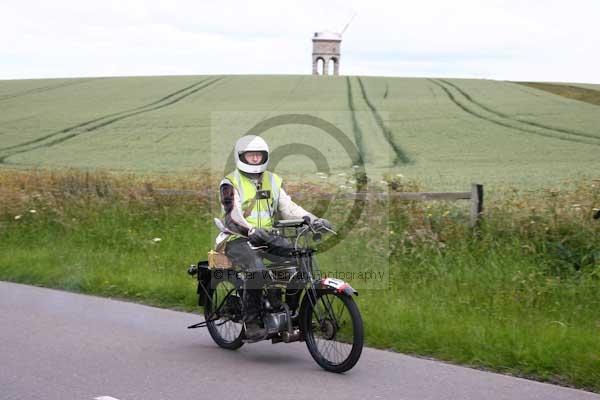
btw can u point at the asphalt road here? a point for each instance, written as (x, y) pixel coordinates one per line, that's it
(58, 345)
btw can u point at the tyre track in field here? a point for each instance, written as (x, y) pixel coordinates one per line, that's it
(154, 108)
(401, 155)
(106, 120)
(506, 116)
(355, 128)
(80, 125)
(277, 106)
(45, 89)
(479, 115)
(433, 94)
(289, 94)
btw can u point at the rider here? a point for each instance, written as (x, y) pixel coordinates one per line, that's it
(250, 198)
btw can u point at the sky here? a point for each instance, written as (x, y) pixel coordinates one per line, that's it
(523, 40)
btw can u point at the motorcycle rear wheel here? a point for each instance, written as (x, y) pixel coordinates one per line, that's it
(333, 331)
(225, 332)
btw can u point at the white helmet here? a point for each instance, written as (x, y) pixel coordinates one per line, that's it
(251, 143)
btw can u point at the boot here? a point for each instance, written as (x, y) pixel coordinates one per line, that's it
(274, 297)
(254, 331)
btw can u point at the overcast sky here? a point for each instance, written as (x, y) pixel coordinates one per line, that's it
(548, 40)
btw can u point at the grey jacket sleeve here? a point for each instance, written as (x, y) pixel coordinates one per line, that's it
(291, 210)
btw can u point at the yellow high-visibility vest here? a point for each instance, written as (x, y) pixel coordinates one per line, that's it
(262, 213)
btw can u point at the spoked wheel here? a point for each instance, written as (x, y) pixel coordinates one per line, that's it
(333, 331)
(225, 303)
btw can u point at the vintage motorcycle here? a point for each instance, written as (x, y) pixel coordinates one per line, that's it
(297, 304)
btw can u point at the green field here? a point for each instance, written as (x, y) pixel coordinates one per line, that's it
(522, 296)
(519, 294)
(444, 133)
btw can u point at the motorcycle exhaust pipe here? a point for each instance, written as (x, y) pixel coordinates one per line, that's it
(291, 335)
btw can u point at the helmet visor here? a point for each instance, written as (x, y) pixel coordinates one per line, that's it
(254, 157)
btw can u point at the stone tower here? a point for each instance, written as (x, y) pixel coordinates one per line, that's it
(326, 47)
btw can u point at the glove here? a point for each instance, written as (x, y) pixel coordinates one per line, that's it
(321, 223)
(258, 237)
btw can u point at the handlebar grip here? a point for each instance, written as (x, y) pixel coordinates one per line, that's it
(290, 222)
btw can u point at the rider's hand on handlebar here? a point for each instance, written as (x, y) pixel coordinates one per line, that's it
(258, 236)
(321, 224)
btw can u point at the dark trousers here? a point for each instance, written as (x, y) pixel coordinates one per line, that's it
(276, 249)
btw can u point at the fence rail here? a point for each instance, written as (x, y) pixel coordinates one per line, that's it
(475, 196)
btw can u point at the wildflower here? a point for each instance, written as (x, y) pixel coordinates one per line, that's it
(156, 239)
(32, 211)
(18, 217)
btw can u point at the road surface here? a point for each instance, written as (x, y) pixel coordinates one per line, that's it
(56, 345)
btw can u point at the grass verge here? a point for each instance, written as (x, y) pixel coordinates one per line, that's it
(521, 295)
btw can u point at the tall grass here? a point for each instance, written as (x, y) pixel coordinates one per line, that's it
(520, 294)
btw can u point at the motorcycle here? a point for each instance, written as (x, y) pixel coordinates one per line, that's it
(297, 304)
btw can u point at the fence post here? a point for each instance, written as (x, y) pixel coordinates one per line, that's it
(149, 187)
(476, 203)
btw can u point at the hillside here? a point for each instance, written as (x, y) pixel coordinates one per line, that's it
(443, 132)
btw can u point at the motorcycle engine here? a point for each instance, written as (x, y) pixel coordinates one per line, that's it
(275, 322)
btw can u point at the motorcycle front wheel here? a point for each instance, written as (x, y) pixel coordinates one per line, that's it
(333, 330)
(217, 312)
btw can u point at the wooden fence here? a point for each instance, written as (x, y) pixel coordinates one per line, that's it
(475, 196)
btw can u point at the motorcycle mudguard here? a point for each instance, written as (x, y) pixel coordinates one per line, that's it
(326, 285)
(204, 275)
(338, 286)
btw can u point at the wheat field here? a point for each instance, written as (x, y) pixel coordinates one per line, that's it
(445, 133)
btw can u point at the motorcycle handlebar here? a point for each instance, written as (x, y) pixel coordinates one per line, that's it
(285, 223)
